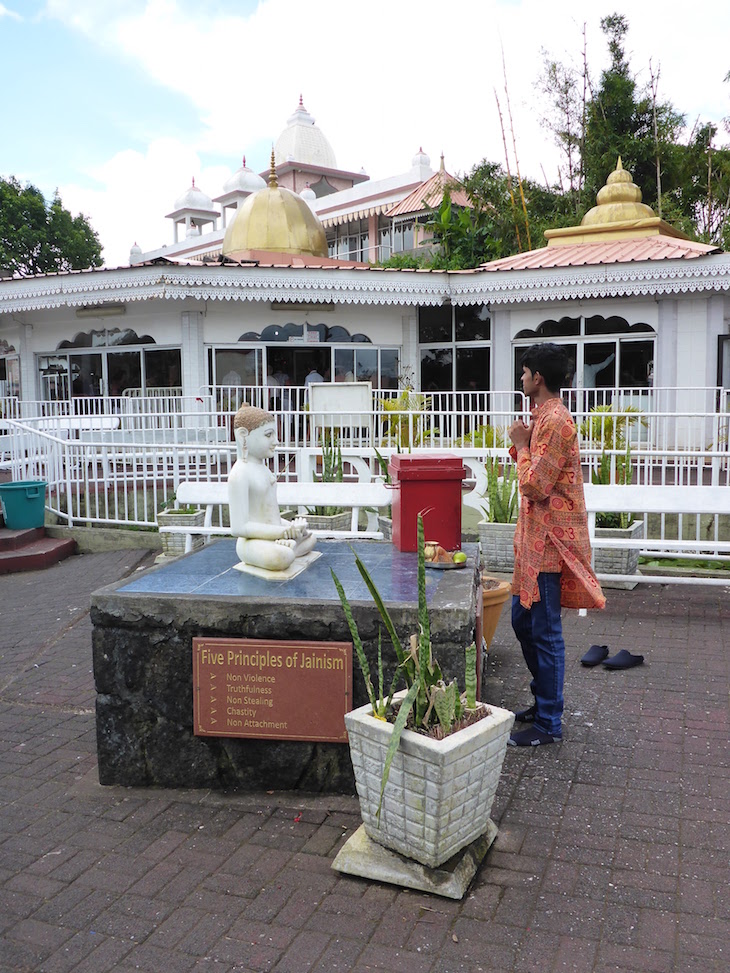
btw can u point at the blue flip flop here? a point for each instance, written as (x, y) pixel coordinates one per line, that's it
(594, 655)
(623, 660)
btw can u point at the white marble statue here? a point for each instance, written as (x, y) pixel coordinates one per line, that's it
(265, 540)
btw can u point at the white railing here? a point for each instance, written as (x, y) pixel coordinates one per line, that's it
(115, 460)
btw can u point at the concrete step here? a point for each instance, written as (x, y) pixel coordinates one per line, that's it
(36, 552)
(12, 540)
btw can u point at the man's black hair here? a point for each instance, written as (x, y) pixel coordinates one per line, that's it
(551, 361)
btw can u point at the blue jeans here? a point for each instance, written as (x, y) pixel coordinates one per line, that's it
(539, 630)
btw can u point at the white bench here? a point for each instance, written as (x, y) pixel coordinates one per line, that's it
(703, 500)
(368, 495)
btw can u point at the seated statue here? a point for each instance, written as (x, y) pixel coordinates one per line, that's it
(265, 540)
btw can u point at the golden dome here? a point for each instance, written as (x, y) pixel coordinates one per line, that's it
(618, 201)
(277, 220)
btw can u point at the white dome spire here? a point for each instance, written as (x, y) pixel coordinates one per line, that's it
(244, 180)
(194, 198)
(420, 159)
(301, 141)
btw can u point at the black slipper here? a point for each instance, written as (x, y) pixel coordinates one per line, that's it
(532, 737)
(623, 660)
(594, 655)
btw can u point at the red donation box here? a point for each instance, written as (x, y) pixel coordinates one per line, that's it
(428, 484)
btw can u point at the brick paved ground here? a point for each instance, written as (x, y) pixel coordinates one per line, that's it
(612, 855)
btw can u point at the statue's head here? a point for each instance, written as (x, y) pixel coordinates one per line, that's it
(254, 430)
(249, 417)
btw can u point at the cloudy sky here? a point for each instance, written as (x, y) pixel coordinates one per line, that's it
(119, 103)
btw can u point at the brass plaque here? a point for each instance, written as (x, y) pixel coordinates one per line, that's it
(272, 690)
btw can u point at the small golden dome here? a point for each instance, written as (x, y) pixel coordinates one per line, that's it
(277, 220)
(618, 201)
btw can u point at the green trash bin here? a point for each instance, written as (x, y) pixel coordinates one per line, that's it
(23, 504)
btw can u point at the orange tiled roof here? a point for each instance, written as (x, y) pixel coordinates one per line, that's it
(605, 252)
(430, 193)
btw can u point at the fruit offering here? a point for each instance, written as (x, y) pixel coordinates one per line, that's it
(436, 554)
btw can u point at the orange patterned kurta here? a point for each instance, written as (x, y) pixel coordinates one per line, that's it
(552, 528)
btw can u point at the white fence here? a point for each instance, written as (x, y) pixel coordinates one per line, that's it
(115, 460)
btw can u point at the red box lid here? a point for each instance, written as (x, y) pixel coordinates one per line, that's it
(428, 466)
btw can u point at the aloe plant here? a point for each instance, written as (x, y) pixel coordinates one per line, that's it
(429, 700)
(332, 472)
(502, 495)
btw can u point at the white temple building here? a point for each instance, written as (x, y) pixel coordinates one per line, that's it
(275, 275)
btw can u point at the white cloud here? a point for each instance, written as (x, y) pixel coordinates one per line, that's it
(135, 192)
(5, 12)
(380, 83)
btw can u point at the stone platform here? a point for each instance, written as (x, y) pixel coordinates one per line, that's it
(143, 666)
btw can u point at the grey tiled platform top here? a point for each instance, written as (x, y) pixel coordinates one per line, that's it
(210, 571)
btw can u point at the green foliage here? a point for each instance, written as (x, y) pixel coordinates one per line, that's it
(620, 122)
(402, 429)
(379, 704)
(332, 472)
(383, 464)
(168, 506)
(429, 700)
(616, 470)
(502, 496)
(36, 238)
(685, 179)
(483, 437)
(610, 429)
(405, 261)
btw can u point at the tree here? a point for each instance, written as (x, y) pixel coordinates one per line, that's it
(36, 238)
(623, 120)
(566, 118)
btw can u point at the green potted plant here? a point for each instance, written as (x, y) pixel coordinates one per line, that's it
(330, 517)
(609, 430)
(616, 470)
(169, 515)
(427, 759)
(406, 421)
(500, 506)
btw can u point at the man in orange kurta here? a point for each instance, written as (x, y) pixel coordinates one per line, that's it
(552, 547)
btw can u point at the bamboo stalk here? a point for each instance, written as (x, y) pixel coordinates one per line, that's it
(514, 149)
(509, 174)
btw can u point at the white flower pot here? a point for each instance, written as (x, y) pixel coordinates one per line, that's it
(497, 542)
(173, 545)
(440, 792)
(615, 560)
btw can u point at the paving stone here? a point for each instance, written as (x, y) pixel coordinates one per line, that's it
(611, 858)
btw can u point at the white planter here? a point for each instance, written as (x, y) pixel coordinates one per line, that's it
(340, 521)
(616, 560)
(497, 542)
(385, 526)
(440, 792)
(173, 545)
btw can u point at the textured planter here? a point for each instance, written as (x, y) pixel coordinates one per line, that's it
(385, 526)
(440, 792)
(173, 545)
(615, 560)
(494, 594)
(339, 521)
(497, 543)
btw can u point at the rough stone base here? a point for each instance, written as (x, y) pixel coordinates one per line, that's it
(366, 859)
(143, 664)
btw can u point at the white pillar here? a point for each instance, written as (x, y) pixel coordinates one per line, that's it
(192, 350)
(409, 364)
(28, 377)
